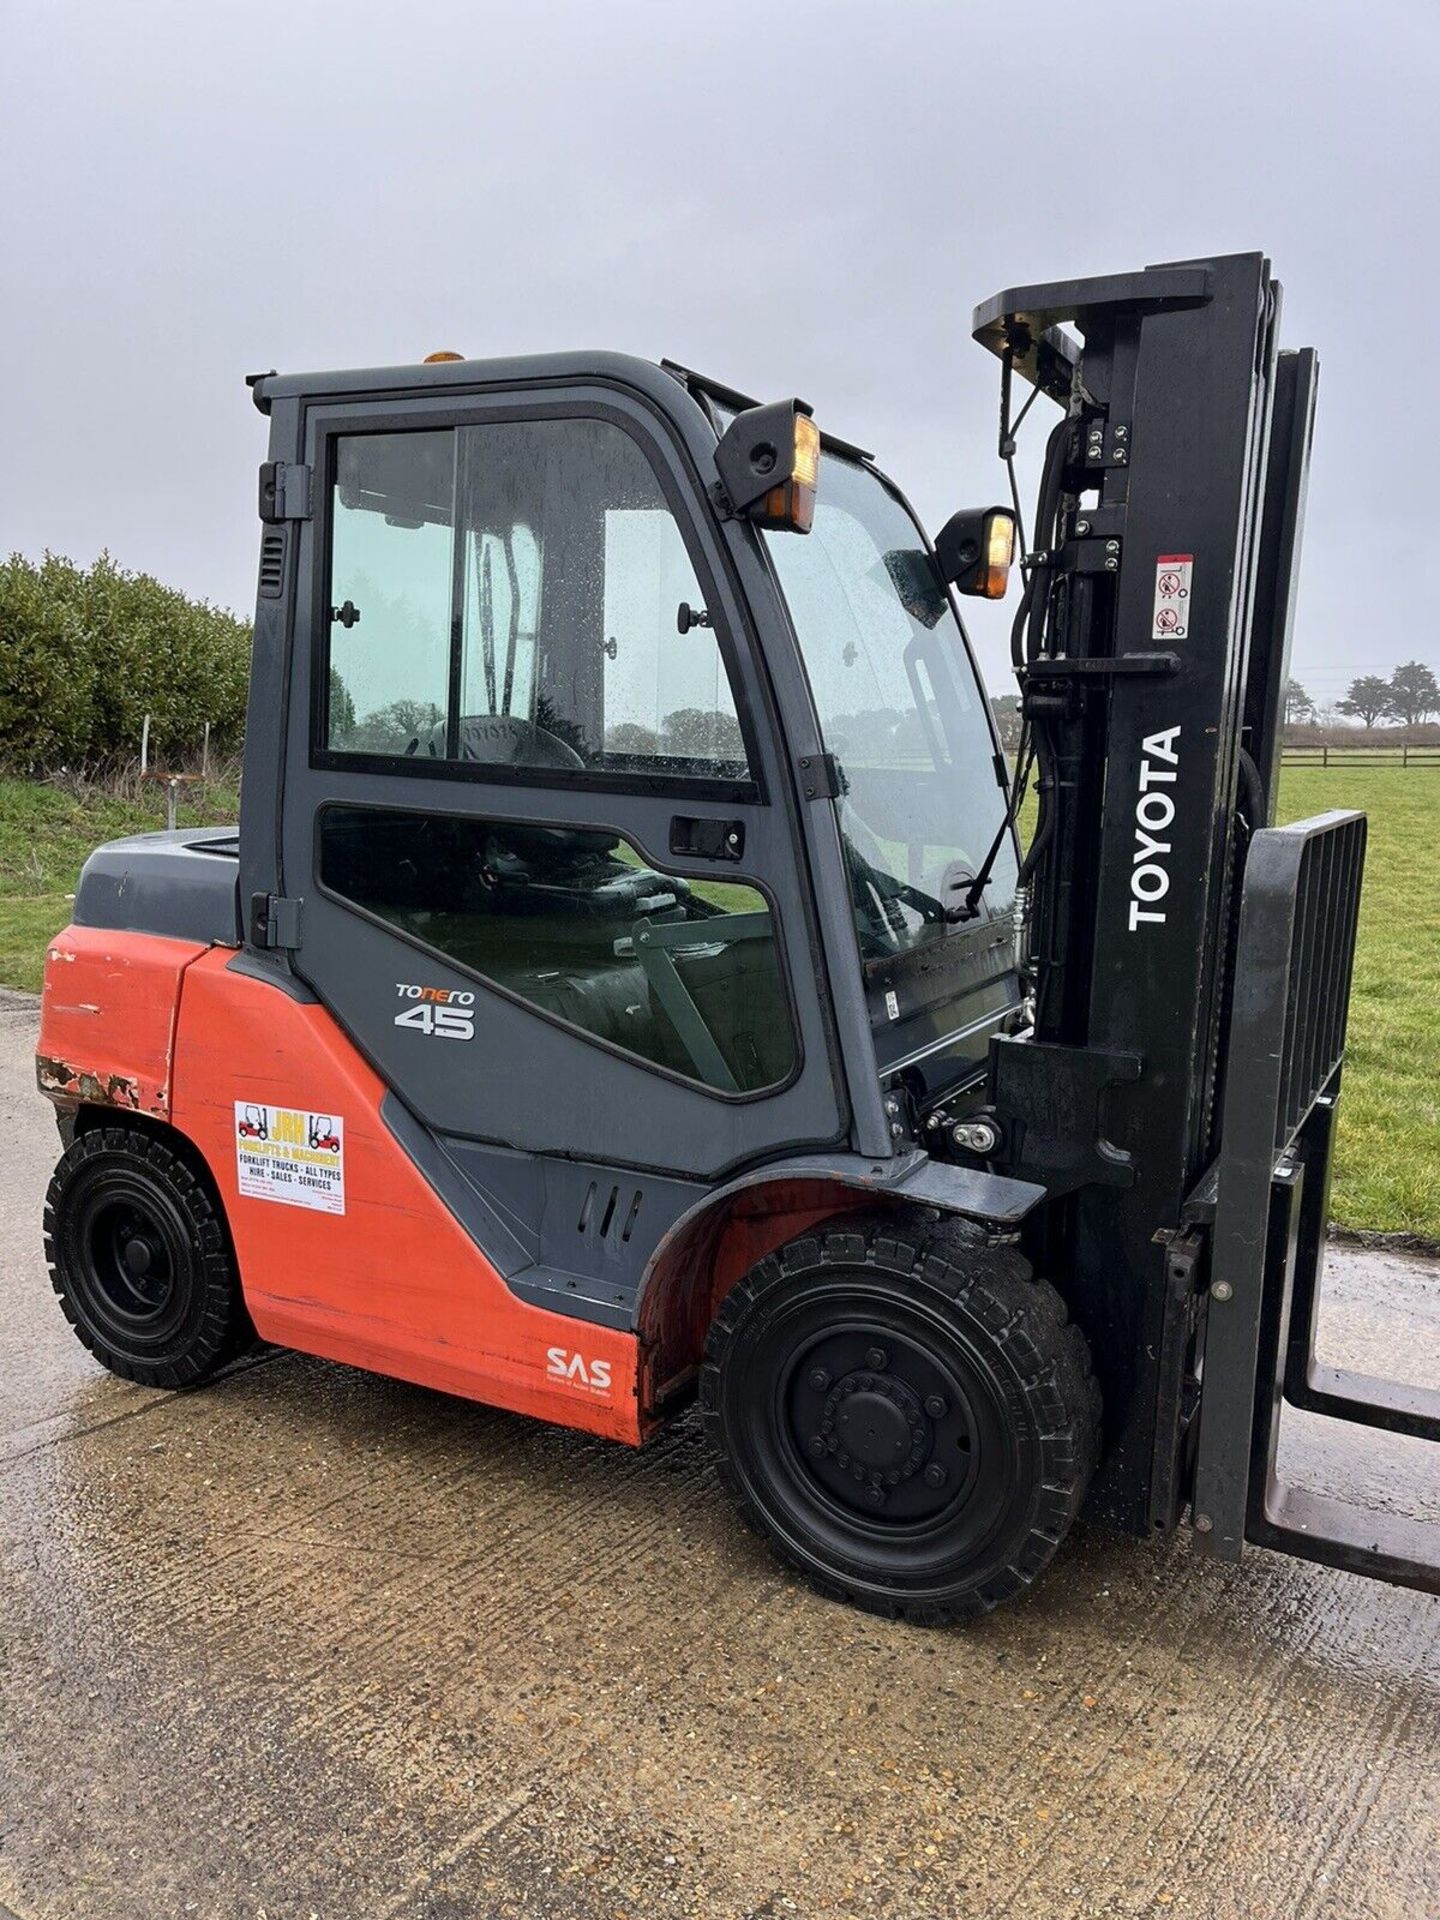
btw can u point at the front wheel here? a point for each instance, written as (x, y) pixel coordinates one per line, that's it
(904, 1412)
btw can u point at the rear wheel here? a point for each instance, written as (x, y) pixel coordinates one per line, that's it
(140, 1259)
(904, 1412)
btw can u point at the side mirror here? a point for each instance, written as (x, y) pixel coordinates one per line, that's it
(918, 585)
(768, 459)
(976, 549)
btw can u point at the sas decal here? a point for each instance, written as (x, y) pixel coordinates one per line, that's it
(576, 1371)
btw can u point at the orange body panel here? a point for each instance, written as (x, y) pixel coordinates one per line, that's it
(393, 1282)
(107, 1021)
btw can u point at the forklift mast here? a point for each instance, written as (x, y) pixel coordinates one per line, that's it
(1190, 962)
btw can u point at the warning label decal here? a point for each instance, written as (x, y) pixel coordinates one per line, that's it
(284, 1153)
(1172, 596)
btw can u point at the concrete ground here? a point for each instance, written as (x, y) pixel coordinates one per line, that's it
(311, 1643)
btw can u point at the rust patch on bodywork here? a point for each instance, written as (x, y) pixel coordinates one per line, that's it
(58, 1078)
(107, 1021)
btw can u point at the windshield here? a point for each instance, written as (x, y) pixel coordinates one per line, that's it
(901, 710)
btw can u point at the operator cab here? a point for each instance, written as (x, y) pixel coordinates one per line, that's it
(517, 599)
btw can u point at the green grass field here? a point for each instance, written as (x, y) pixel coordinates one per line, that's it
(45, 833)
(1387, 1173)
(1387, 1176)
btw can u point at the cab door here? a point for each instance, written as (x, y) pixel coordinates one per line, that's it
(550, 869)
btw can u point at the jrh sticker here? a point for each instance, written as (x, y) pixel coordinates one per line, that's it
(287, 1154)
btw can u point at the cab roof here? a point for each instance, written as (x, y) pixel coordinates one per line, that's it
(657, 380)
(622, 369)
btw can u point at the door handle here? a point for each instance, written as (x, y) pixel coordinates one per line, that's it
(703, 839)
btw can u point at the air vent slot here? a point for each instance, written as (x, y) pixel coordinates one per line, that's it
(616, 1218)
(272, 563)
(587, 1207)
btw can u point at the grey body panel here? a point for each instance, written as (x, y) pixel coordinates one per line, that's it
(580, 1238)
(529, 1082)
(183, 885)
(995, 1200)
(570, 1235)
(272, 970)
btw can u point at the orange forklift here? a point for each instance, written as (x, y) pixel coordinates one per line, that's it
(626, 983)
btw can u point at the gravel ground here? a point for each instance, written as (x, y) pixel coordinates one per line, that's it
(313, 1643)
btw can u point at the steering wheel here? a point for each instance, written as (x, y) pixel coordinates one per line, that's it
(499, 740)
(878, 896)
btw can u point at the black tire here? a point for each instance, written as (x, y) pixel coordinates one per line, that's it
(141, 1261)
(904, 1412)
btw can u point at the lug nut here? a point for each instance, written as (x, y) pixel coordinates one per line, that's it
(816, 1446)
(819, 1379)
(935, 1474)
(936, 1407)
(875, 1496)
(877, 1358)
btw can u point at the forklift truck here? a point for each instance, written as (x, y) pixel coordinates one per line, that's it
(626, 985)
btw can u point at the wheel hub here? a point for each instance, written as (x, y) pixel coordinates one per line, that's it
(139, 1257)
(874, 1428)
(887, 1429)
(130, 1264)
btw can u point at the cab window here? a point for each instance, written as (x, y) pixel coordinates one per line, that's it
(518, 594)
(684, 974)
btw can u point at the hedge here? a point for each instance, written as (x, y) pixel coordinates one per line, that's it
(85, 654)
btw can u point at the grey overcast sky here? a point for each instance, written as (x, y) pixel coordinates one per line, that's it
(798, 196)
